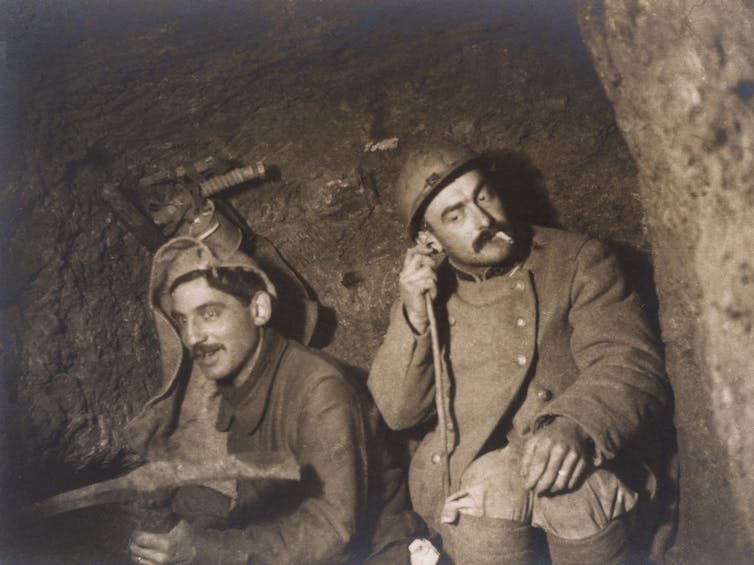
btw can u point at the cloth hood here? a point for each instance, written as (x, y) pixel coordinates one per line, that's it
(185, 254)
(177, 257)
(221, 246)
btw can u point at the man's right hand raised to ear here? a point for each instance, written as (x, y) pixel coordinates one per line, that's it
(417, 278)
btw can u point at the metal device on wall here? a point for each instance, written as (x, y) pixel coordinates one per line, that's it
(180, 204)
(185, 201)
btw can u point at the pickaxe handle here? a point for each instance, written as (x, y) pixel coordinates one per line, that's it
(159, 475)
(232, 178)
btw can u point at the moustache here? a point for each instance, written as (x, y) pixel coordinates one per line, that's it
(200, 350)
(503, 231)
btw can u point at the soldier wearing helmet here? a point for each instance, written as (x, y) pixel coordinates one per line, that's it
(551, 376)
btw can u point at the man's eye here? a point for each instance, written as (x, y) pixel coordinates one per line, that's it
(180, 321)
(484, 196)
(210, 313)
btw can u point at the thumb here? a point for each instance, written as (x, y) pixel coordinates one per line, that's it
(432, 293)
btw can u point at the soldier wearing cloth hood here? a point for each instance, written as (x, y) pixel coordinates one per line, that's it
(554, 381)
(234, 385)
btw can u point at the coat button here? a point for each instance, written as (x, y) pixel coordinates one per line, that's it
(451, 320)
(545, 395)
(520, 360)
(519, 285)
(520, 322)
(449, 426)
(435, 458)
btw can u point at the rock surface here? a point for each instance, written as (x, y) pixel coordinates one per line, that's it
(115, 91)
(681, 77)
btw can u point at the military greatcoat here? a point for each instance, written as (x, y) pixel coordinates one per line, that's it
(351, 498)
(570, 340)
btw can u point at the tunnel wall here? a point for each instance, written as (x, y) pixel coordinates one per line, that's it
(113, 95)
(681, 78)
(306, 89)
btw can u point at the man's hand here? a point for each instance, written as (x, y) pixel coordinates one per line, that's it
(175, 547)
(556, 457)
(416, 279)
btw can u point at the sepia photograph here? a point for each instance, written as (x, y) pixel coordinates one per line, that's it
(380, 282)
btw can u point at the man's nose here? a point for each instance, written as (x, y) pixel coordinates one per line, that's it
(482, 218)
(194, 333)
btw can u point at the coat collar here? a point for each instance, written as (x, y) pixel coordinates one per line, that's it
(492, 272)
(540, 237)
(247, 404)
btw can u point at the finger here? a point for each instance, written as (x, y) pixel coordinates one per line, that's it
(418, 274)
(135, 557)
(427, 261)
(415, 256)
(421, 249)
(418, 285)
(154, 557)
(526, 458)
(148, 540)
(457, 495)
(564, 473)
(417, 270)
(427, 285)
(538, 463)
(145, 556)
(422, 257)
(144, 561)
(578, 473)
(550, 474)
(412, 262)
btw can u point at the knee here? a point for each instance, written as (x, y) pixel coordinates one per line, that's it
(586, 511)
(492, 485)
(609, 546)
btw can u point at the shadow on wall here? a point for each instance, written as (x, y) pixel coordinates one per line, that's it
(523, 189)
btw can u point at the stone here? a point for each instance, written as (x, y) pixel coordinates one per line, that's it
(678, 74)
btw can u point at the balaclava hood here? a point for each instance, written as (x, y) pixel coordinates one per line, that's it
(175, 258)
(179, 256)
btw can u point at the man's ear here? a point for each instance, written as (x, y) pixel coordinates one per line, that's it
(428, 239)
(261, 308)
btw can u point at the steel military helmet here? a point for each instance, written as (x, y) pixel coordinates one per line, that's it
(424, 173)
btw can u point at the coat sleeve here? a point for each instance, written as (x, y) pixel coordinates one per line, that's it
(330, 447)
(401, 379)
(621, 387)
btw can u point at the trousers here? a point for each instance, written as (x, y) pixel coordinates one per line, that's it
(499, 521)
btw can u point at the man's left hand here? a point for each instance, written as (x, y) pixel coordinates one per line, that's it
(556, 457)
(175, 547)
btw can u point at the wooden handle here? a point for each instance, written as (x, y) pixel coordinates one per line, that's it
(440, 399)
